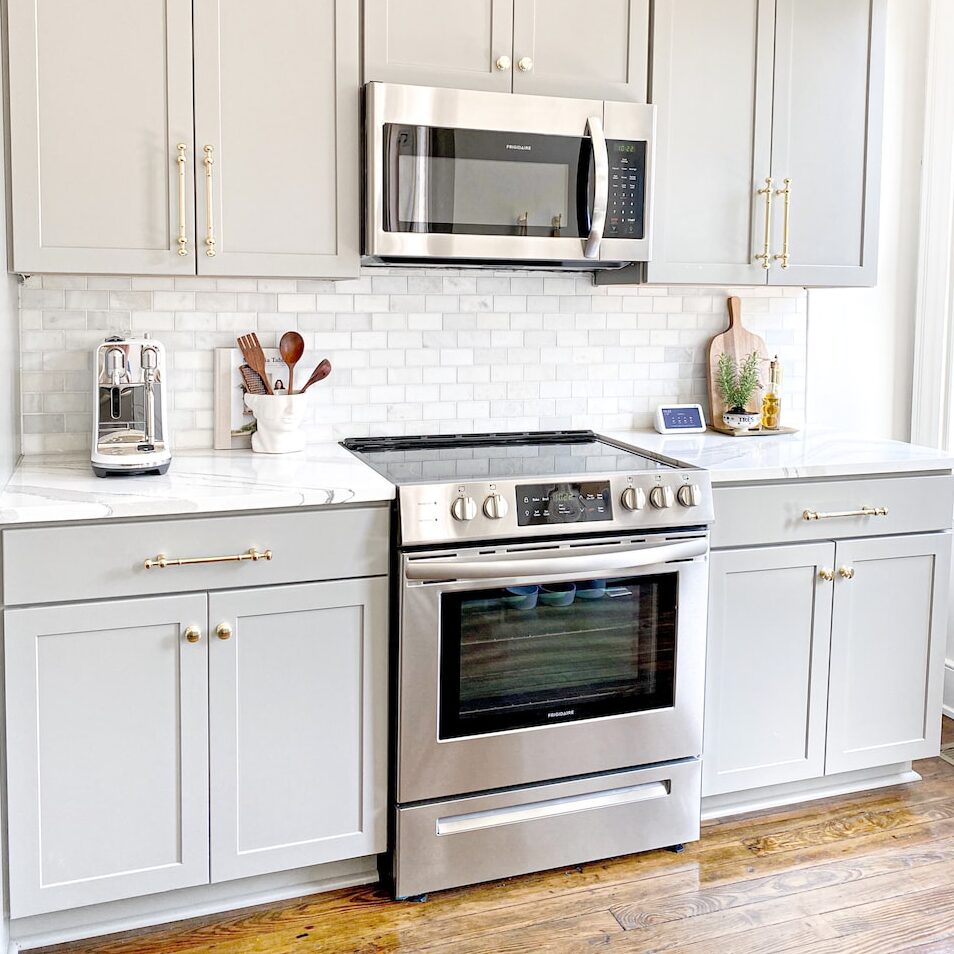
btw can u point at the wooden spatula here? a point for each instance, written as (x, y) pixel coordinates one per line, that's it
(737, 342)
(254, 357)
(319, 374)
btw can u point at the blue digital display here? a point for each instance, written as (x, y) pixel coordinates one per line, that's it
(678, 418)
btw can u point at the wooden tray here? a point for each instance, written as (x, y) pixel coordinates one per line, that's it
(758, 433)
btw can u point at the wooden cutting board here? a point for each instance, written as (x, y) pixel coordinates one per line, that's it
(739, 343)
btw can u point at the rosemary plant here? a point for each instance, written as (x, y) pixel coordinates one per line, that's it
(735, 382)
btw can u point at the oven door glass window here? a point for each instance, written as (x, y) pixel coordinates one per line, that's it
(476, 182)
(537, 655)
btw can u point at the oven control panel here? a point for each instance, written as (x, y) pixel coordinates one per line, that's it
(557, 503)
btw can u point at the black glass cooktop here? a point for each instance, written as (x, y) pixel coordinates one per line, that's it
(437, 458)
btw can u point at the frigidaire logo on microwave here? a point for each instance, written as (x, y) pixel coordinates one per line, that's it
(519, 145)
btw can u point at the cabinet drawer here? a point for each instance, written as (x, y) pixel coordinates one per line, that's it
(47, 565)
(773, 513)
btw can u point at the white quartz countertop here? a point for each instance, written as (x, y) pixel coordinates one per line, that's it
(809, 453)
(60, 488)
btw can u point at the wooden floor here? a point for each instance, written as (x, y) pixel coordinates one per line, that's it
(865, 873)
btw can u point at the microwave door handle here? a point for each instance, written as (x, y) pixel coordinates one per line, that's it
(536, 568)
(594, 126)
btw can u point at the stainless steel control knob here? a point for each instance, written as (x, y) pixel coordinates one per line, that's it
(689, 495)
(661, 497)
(496, 507)
(464, 508)
(633, 498)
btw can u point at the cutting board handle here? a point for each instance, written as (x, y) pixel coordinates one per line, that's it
(735, 312)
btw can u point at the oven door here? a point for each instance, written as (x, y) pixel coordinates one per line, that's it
(458, 174)
(529, 663)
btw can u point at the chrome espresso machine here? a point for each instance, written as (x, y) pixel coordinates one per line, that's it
(130, 432)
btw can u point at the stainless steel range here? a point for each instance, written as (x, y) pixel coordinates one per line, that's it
(550, 608)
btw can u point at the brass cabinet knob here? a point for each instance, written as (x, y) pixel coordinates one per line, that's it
(223, 631)
(846, 572)
(192, 634)
(503, 63)
(525, 64)
(827, 575)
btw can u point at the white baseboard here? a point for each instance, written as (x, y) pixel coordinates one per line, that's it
(100, 919)
(774, 796)
(948, 705)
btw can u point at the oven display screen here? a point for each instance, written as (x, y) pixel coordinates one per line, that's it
(543, 504)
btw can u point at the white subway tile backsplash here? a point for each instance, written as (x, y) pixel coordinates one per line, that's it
(413, 351)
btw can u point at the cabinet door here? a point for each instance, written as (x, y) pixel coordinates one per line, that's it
(276, 112)
(455, 43)
(766, 666)
(298, 720)
(100, 98)
(712, 82)
(887, 651)
(107, 751)
(829, 79)
(583, 50)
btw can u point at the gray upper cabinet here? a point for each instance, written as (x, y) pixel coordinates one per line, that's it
(586, 51)
(276, 134)
(100, 98)
(466, 44)
(545, 47)
(757, 90)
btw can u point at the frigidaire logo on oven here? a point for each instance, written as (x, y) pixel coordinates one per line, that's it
(519, 145)
(561, 713)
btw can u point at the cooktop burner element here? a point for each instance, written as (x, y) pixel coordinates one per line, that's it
(512, 484)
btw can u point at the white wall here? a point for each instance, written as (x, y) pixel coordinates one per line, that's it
(860, 341)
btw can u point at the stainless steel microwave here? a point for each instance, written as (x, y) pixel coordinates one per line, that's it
(466, 177)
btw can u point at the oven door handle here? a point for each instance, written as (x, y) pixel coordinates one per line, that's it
(534, 568)
(594, 126)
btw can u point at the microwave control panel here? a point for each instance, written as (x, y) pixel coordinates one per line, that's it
(627, 173)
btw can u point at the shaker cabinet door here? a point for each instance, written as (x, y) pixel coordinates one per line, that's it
(887, 651)
(463, 44)
(712, 83)
(766, 666)
(827, 118)
(581, 50)
(100, 99)
(276, 133)
(107, 751)
(298, 725)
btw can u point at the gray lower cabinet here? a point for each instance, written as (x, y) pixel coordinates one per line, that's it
(766, 666)
(755, 90)
(100, 98)
(544, 47)
(107, 751)
(298, 723)
(140, 732)
(823, 658)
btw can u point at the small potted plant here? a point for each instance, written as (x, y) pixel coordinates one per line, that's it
(736, 383)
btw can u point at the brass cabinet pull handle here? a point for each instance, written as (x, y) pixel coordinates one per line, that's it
(766, 257)
(209, 227)
(223, 631)
(846, 572)
(827, 575)
(192, 634)
(181, 232)
(863, 512)
(162, 561)
(786, 191)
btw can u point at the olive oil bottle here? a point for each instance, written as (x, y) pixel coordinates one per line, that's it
(772, 401)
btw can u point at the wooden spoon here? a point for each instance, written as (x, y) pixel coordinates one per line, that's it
(291, 348)
(319, 374)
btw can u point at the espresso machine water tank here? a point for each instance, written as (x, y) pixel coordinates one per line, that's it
(130, 426)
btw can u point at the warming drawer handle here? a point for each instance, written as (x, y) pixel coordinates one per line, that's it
(862, 512)
(162, 561)
(519, 566)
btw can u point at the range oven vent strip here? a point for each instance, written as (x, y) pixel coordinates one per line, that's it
(549, 808)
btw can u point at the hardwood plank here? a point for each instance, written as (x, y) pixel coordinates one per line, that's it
(947, 731)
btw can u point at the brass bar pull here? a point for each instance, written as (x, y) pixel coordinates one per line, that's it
(786, 191)
(162, 561)
(863, 512)
(209, 226)
(181, 232)
(766, 257)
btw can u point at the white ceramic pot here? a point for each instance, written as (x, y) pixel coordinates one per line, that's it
(740, 422)
(279, 419)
